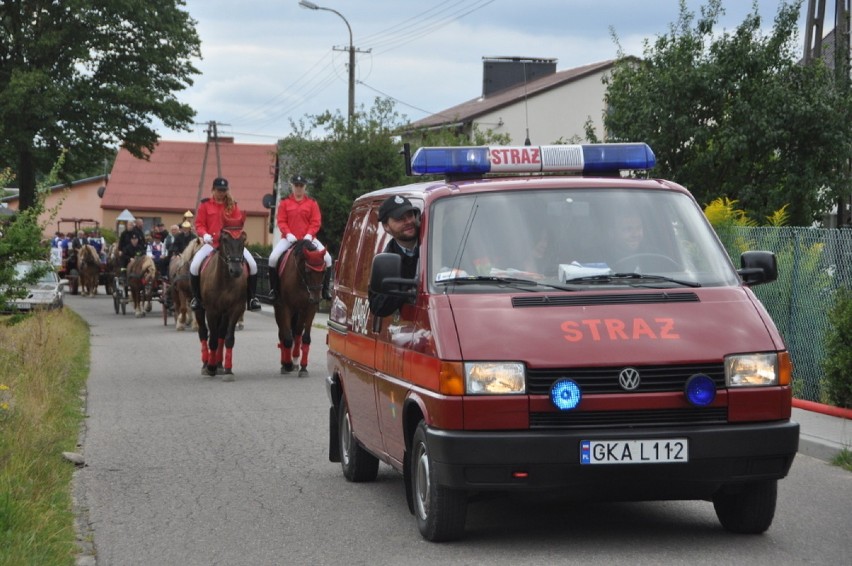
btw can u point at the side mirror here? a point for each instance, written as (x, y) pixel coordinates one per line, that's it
(385, 266)
(758, 267)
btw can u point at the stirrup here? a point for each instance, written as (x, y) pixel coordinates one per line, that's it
(254, 304)
(195, 304)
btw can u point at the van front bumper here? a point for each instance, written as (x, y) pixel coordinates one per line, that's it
(524, 460)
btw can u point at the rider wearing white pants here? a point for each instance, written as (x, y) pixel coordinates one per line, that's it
(213, 215)
(207, 249)
(298, 217)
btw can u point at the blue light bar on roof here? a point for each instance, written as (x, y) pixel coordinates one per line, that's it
(586, 158)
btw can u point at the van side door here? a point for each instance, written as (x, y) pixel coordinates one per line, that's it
(356, 344)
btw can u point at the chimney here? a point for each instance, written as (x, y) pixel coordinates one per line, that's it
(500, 73)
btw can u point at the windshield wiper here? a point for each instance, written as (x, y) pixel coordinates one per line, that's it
(515, 282)
(633, 277)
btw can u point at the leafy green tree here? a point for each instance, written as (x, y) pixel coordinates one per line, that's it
(20, 240)
(87, 76)
(733, 115)
(348, 161)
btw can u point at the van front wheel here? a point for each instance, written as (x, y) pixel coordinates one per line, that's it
(440, 511)
(747, 509)
(358, 464)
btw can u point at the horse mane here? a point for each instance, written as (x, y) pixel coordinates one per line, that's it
(88, 252)
(143, 266)
(190, 249)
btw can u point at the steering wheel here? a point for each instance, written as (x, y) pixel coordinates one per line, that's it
(649, 258)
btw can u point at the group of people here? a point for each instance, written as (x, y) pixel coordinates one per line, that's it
(298, 218)
(72, 241)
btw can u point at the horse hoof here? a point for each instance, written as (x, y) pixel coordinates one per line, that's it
(240, 326)
(286, 368)
(303, 372)
(228, 376)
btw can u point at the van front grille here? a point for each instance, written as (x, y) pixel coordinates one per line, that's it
(653, 379)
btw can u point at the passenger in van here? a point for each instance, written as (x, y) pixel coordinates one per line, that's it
(629, 235)
(298, 217)
(401, 220)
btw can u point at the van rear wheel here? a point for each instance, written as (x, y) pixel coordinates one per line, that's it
(748, 509)
(440, 511)
(358, 464)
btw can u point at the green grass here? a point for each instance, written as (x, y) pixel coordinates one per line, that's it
(844, 459)
(44, 361)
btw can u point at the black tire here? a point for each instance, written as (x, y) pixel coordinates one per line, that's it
(440, 511)
(748, 509)
(358, 465)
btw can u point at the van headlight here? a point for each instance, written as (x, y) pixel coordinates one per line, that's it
(494, 378)
(751, 370)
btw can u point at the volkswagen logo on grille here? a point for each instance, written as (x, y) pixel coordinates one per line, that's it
(629, 379)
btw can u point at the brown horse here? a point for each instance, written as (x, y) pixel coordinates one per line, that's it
(300, 289)
(224, 284)
(141, 275)
(89, 270)
(179, 287)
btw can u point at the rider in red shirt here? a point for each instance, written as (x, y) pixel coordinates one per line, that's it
(298, 217)
(213, 215)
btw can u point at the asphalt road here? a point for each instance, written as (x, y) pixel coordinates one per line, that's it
(187, 470)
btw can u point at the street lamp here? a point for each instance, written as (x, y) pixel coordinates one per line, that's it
(312, 6)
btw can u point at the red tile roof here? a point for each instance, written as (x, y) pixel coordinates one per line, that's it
(169, 181)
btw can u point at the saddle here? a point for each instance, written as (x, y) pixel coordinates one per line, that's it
(314, 259)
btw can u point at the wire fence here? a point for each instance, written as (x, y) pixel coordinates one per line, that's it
(812, 264)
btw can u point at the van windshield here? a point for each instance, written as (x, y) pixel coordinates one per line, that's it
(573, 239)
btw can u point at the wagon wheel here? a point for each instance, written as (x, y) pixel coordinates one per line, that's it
(116, 294)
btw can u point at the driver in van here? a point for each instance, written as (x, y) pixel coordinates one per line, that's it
(401, 220)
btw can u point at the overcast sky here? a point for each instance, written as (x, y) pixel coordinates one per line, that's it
(266, 62)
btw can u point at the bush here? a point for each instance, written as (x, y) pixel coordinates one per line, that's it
(838, 351)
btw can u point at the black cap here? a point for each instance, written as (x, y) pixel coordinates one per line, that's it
(298, 180)
(396, 207)
(220, 183)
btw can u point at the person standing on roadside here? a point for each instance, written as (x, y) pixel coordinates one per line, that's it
(298, 217)
(209, 222)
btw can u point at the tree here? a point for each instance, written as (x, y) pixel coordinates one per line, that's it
(733, 115)
(86, 76)
(349, 161)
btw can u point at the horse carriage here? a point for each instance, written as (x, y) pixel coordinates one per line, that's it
(138, 284)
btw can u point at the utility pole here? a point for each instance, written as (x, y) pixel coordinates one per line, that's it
(351, 49)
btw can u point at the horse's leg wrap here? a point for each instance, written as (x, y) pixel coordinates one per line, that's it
(220, 351)
(306, 347)
(297, 347)
(286, 354)
(229, 358)
(205, 352)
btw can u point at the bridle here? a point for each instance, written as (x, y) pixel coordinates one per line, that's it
(313, 289)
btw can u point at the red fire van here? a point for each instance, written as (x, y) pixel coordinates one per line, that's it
(570, 327)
